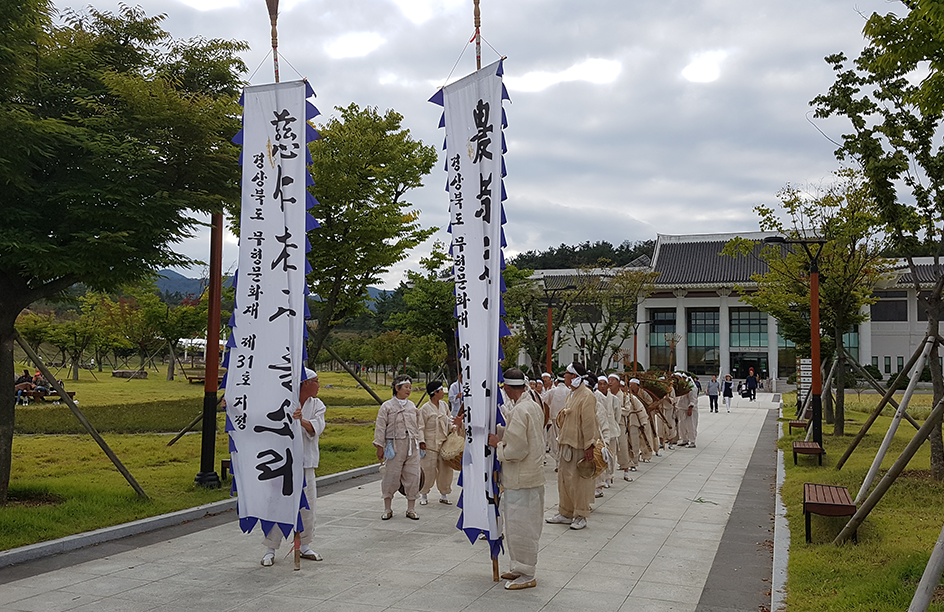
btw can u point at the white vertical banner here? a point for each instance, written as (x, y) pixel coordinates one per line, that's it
(474, 119)
(266, 354)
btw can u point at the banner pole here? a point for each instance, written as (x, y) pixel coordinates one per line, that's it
(478, 36)
(273, 20)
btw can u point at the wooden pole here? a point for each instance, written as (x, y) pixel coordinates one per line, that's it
(897, 468)
(78, 414)
(478, 39)
(893, 427)
(930, 578)
(207, 476)
(273, 6)
(868, 378)
(878, 410)
(352, 373)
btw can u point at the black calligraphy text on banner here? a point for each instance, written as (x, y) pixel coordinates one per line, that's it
(474, 121)
(266, 347)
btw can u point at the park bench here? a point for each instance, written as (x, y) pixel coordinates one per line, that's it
(826, 500)
(799, 424)
(807, 448)
(199, 378)
(129, 374)
(43, 396)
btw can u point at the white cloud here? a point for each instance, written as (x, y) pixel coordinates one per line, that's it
(354, 44)
(705, 67)
(594, 70)
(421, 11)
(210, 5)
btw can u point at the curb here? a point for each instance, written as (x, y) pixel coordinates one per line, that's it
(778, 592)
(107, 534)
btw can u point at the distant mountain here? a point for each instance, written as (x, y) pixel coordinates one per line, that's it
(173, 282)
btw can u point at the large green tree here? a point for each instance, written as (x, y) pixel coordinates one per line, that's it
(364, 166)
(850, 265)
(115, 133)
(895, 113)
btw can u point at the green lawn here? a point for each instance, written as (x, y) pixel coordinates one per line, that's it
(882, 571)
(62, 483)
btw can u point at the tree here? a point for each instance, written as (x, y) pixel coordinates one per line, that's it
(364, 165)
(120, 133)
(429, 303)
(585, 254)
(603, 310)
(894, 138)
(850, 265)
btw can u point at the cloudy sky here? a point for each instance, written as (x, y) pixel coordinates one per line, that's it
(628, 117)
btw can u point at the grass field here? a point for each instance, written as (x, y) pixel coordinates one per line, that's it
(62, 483)
(882, 571)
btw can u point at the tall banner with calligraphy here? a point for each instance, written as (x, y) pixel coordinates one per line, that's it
(266, 348)
(475, 144)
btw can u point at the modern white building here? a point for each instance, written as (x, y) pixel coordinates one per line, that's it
(696, 304)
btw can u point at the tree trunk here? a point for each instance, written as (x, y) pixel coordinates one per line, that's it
(827, 398)
(173, 362)
(75, 365)
(7, 407)
(839, 418)
(937, 379)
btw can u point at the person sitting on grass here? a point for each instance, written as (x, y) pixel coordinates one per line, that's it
(311, 415)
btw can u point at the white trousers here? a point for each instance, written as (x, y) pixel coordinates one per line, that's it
(524, 520)
(274, 538)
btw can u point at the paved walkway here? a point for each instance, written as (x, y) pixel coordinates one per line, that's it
(650, 546)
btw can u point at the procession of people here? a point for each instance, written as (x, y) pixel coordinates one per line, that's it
(587, 426)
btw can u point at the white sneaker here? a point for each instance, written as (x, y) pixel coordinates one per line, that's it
(579, 523)
(268, 559)
(559, 519)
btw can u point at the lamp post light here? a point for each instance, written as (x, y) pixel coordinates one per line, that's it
(817, 387)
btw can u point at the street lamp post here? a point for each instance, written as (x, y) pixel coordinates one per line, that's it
(817, 387)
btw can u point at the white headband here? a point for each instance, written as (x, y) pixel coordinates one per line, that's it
(634, 380)
(614, 375)
(515, 382)
(572, 370)
(548, 374)
(602, 379)
(406, 381)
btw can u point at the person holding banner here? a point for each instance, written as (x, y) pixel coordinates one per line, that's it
(396, 436)
(434, 425)
(520, 448)
(578, 430)
(311, 416)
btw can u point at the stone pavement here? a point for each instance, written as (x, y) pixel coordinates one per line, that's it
(650, 546)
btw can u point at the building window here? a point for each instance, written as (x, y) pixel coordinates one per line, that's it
(662, 325)
(888, 364)
(850, 340)
(892, 306)
(786, 356)
(703, 340)
(874, 362)
(748, 328)
(901, 363)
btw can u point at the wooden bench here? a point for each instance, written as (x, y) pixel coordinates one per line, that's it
(826, 500)
(199, 378)
(129, 374)
(39, 395)
(807, 448)
(225, 467)
(799, 424)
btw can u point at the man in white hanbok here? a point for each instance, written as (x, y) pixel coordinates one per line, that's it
(520, 448)
(311, 414)
(435, 421)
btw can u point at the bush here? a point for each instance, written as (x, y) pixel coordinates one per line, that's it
(873, 371)
(904, 381)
